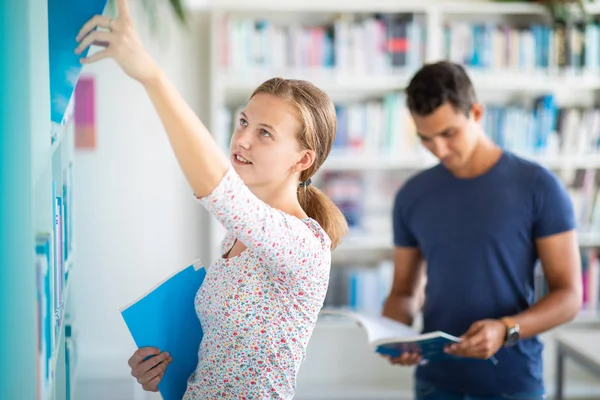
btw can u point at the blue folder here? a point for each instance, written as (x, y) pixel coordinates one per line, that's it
(166, 318)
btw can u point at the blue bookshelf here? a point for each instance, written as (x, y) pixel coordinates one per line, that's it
(38, 252)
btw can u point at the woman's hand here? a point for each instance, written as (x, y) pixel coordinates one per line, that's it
(149, 371)
(122, 43)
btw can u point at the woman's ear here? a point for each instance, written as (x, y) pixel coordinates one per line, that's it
(308, 158)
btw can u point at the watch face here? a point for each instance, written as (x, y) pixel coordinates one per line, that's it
(512, 337)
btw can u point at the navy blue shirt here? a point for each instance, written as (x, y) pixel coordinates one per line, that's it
(478, 239)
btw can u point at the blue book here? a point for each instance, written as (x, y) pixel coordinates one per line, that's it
(392, 338)
(166, 318)
(65, 20)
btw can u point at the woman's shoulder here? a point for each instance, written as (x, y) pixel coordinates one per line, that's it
(309, 236)
(318, 232)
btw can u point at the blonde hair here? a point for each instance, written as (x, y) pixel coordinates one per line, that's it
(319, 126)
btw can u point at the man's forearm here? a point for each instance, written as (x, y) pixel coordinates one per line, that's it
(401, 308)
(556, 308)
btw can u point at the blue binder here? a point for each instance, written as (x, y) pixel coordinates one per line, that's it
(166, 318)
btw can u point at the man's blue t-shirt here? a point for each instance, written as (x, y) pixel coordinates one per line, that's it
(478, 239)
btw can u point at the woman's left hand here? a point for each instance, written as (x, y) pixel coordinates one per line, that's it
(122, 43)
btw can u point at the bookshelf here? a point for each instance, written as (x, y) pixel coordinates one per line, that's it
(327, 42)
(39, 321)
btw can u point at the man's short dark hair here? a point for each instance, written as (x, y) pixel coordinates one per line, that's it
(437, 83)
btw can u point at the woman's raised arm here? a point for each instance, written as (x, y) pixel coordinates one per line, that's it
(203, 163)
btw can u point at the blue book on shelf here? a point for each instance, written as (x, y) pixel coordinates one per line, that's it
(65, 20)
(391, 338)
(166, 318)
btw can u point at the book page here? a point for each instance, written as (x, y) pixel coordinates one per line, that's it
(378, 327)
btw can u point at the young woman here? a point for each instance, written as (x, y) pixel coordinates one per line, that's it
(261, 299)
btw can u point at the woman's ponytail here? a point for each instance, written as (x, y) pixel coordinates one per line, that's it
(323, 210)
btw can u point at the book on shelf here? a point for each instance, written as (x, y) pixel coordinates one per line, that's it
(165, 317)
(382, 43)
(44, 250)
(548, 47)
(383, 127)
(65, 20)
(392, 338)
(53, 249)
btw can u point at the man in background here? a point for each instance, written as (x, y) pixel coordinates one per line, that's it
(480, 219)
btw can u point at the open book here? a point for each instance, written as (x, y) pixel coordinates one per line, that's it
(165, 318)
(392, 338)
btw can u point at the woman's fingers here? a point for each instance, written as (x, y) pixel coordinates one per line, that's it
(155, 371)
(97, 21)
(140, 354)
(123, 8)
(154, 361)
(152, 386)
(96, 37)
(95, 57)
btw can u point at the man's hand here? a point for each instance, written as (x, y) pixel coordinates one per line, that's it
(483, 339)
(406, 359)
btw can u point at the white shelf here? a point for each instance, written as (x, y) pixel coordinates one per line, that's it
(392, 6)
(586, 317)
(476, 7)
(379, 243)
(41, 164)
(238, 85)
(312, 6)
(363, 162)
(589, 239)
(536, 81)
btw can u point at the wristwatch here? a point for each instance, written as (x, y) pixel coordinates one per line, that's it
(513, 331)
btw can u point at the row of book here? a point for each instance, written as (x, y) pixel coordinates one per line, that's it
(501, 47)
(544, 127)
(367, 200)
(364, 288)
(373, 45)
(385, 43)
(376, 126)
(584, 189)
(380, 127)
(384, 126)
(361, 288)
(53, 251)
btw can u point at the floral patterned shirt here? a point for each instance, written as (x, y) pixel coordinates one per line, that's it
(258, 309)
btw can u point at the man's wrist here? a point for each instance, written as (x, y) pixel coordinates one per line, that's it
(513, 331)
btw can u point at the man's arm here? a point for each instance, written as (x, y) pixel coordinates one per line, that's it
(402, 303)
(561, 263)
